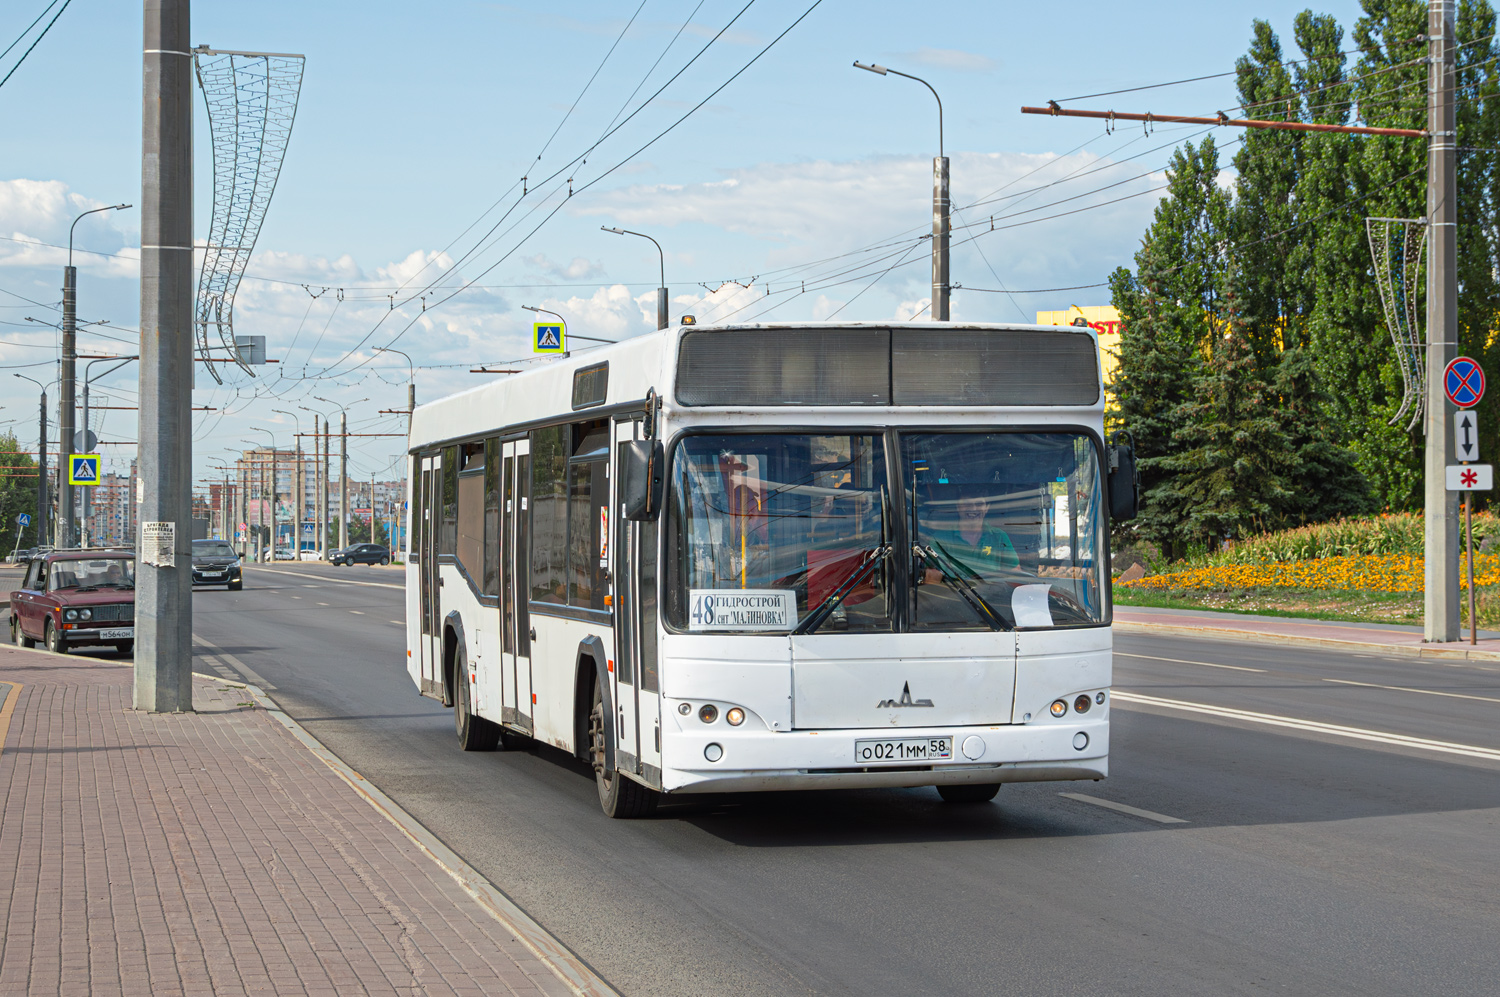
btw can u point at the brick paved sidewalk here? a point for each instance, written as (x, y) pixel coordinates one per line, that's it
(212, 853)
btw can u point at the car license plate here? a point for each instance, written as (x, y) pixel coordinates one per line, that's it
(211, 574)
(119, 633)
(904, 749)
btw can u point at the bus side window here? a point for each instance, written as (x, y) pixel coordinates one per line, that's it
(471, 486)
(493, 543)
(549, 515)
(448, 531)
(414, 524)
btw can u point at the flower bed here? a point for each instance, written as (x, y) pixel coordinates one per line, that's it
(1359, 572)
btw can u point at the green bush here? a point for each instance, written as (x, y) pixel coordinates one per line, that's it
(1392, 533)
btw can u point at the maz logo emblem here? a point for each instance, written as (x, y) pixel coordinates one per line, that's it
(905, 700)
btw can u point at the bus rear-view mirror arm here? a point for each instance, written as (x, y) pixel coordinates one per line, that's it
(1124, 482)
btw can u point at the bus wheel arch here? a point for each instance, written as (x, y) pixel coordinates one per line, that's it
(590, 666)
(453, 636)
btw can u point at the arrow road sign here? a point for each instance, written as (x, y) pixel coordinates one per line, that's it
(1470, 477)
(1463, 382)
(83, 469)
(1466, 435)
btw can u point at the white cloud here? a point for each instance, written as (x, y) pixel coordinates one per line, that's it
(578, 269)
(947, 58)
(35, 218)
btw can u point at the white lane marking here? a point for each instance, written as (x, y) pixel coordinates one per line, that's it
(322, 603)
(296, 597)
(332, 581)
(399, 623)
(1425, 692)
(357, 612)
(245, 670)
(1122, 808)
(1182, 661)
(1356, 733)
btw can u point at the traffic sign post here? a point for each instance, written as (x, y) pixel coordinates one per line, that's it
(547, 337)
(1470, 478)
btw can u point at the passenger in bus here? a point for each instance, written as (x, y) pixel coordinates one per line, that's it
(982, 548)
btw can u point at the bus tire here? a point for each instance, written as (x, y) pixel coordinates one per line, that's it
(474, 733)
(971, 792)
(621, 798)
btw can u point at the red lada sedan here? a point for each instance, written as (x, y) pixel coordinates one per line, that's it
(73, 598)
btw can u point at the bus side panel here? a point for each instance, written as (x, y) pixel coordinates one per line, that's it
(554, 673)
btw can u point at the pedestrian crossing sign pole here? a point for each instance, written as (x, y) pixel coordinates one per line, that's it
(547, 337)
(83, 469)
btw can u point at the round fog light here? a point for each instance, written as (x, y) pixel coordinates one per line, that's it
(1099, 698)
(1059, 708)
(1081, 704)
(708, 713)
(973, 747)
(1080, 740)
(735, 716)
(685, 708)
(713, 752)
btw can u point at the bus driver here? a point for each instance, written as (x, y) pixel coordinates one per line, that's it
(983, 549)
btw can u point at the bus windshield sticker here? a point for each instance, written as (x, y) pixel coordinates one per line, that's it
(1028, 604)
(743, 609)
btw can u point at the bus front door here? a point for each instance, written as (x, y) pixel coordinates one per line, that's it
(432, 638)
(626, 600)
(515, 585)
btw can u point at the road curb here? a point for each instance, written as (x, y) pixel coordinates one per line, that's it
(1431, 651)
(576, 974)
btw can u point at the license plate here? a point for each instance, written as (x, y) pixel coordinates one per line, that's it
(904, 749)
(119, 633)
(211, 574)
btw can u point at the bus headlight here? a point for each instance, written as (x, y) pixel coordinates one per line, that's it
(735, 716)
(684, 708)
(708, 713)
(1059, 708)
(1082, 703)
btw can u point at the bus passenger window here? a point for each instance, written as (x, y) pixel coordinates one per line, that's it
(448, 531)
(492, 540)
(549, 518)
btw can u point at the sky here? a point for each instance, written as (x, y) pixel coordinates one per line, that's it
(780, 181)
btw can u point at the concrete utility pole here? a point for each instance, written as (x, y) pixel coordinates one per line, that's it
(164, 584)
(343, 479)
(1441, 519)
(941, 205)
(63, 537)
(323, 499)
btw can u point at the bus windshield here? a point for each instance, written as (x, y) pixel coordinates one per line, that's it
(786, 532)
(1007, 529)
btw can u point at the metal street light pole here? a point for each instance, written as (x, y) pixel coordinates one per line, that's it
(67, 400)
(411, 382)
(87, 378)
(320, 481)
(566, 334)
(661, 291)
(41, 464)
(299, 489)
(274, 469)
(940, 203)
(343, 466)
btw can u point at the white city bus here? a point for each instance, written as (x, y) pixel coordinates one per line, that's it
(764, 557)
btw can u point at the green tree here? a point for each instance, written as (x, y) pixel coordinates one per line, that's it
(17, 494)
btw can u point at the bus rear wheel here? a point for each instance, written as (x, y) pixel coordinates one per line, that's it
(982, 792)
(620, 797)
(474, 733)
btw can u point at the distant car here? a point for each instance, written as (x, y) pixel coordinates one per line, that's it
(309, 555)
(361, 554)
(215, 562)
(76, 597)
(282, 554)
(25, 554)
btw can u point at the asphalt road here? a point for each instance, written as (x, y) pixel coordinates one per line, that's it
(1322, 845)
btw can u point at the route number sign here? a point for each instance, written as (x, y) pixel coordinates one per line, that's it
(1463, 382)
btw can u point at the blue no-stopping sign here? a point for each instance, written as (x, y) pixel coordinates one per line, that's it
(1463, 382)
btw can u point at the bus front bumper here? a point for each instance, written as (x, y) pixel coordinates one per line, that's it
(754, 760)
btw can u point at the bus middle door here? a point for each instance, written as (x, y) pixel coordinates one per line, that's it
(431, 641)
(627, 610)
(515, 584)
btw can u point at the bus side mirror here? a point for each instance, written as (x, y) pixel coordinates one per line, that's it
(641, 479)
(1124, 483)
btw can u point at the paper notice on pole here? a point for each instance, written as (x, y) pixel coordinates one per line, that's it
(158, 543)
(140, 490)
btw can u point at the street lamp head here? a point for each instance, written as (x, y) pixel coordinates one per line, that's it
(873, 67)
(616, 231)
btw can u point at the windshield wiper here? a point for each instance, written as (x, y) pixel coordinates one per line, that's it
(87, 588)
(830, 602)
(944, 561)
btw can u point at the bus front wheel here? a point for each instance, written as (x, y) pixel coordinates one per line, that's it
(620, 797)
(969, 792)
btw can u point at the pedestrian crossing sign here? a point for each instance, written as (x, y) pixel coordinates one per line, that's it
(547, 337)
(83, 469)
